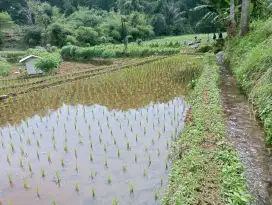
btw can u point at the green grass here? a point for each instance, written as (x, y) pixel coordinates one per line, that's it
(217, 171)
(254, 72)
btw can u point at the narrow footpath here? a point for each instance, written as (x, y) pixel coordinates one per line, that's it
(247, 137)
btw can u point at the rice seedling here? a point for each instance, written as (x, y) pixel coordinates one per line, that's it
(93, 192)
(10, 178)
(153, 140)
(108, 178)
(62, 162)
(38, 191)
(75, 151)
(38, 155)
(58, 180)
(115, 202)
(54, 202)
(149, 160)
(114, 140)
(166, 164)
(28, 142)
(100, 139)
(42, 172)
(159, 152)
(26, 185)
(21, 162)
(167, 144)
(12, 146)
(8, 158)
(156, 195)
(131, 188)
(91, 144)
(105, 148)
(128, 145)
(9, 203)
(91, 157)
(91, 174)
(136, 137)
(29, 167)
(135, 157)
(76, 167)
(144, 173)
(124, 168)
(49, 158)
(118, 153)
(65, 148)
(146, 148)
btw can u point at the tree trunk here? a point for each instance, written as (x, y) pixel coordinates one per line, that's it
(232, 21)
(245, 17)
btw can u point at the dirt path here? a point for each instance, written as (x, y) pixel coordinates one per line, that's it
(247, 136)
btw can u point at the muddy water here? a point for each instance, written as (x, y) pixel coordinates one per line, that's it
(138, 112)
(248, 137)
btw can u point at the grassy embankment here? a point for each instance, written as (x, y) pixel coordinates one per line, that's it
(251, 62)
(206, 169)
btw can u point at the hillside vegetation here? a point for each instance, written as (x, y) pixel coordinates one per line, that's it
(251, 61)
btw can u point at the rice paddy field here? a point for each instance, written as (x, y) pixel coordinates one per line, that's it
(96, 140)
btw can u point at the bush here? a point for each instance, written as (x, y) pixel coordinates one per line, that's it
(109, 54)
(49, 62)
(204, 48)
(72, 40)
(4, 68)
(86, 35)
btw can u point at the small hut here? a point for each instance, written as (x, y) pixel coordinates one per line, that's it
(30, 62)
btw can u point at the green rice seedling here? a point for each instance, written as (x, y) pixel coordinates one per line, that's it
(75, 151)
(9, 203)
(100, 139)
(42, 172)
(54, 145)
(149, 160)
(58, 180)
(128, 145)
(111, 132)
(10, 178)
(144, 130)
(8, 158)
(136, 137)
(22, 150)
(26, 185)
(166, 164)
(118, 152)
(124, 167)
(38, 155)
(62, 162)
(12, 146)
(29, 167)
(93, 192)
(54, 202)
(91, 174)
(153, 140)
(80, 141)
(115, 202)
(167, 144)
(164, 128)
(91, 157)
(65, 148)
(156, 195)
(114, 141)
(145, 173)
(37, 191)
(49, 158)
(135, 157)
(21, 162)
(105, 148)
(108, 178)
(159, 152)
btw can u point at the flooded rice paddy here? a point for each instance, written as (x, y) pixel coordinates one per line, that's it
(103, 140)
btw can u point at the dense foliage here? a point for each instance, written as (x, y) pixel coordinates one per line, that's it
(255, 71)
(4, 67)
(49, 63)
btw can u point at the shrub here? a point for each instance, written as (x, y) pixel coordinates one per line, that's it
(68, 52)
(72, 40)
(4, 68)
(109, 54)
(139, 41)
(49, 62)
(86, 35)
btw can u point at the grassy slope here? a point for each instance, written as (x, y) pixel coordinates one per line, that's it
(206, 169)
(251, 61)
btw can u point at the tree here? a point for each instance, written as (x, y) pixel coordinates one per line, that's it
(245, 14)
(5, 20)
(232, 21)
